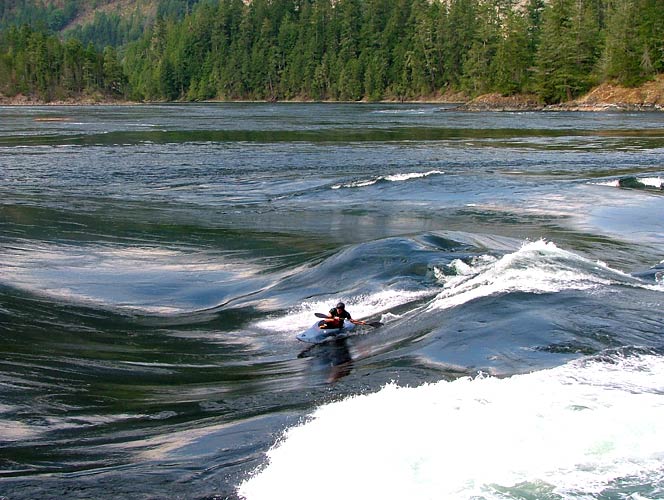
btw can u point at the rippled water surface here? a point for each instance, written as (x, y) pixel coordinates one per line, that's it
(156, 263)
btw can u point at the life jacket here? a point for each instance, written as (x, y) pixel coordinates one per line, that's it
(339, 317)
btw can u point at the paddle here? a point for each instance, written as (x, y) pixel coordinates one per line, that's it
(375, 324)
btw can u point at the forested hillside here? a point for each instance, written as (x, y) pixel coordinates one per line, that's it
(49, 15)
(100, 22)
(373, 49)
(66, 49)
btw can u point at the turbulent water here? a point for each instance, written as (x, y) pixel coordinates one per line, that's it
(156, 263)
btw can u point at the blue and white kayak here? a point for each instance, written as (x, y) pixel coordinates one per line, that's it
(316, 335)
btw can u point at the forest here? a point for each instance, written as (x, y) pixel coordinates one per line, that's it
(345, 50)
(35, 63)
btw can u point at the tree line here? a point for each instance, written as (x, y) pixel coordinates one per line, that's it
(372, 49)
(35, 63)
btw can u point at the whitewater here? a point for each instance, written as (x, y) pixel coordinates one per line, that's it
(158, 261)
(577, 431)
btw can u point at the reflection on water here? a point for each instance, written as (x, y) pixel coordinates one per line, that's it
(156, 263)
(331, 359)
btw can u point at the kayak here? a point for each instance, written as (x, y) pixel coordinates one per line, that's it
(315, 334)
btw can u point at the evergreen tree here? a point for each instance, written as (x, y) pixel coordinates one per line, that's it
(350, 71)
(651, 32)
(477, 65)
(622, 49)
(460, 31)
(114, 78)
(511, 66)
(422, 25)
(631, 53)
(568, 50)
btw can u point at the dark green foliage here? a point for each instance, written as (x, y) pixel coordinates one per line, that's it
(37, 13)
(109, 29)
(174, 8)
(116, 25)
(510, 68)
(634, 49)
(37, 64)
(341, 49)
(569, 49)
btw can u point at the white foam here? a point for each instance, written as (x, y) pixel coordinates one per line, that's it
(359, 306)
(573, 431)
(389, 178)
(537, 267)
(648, 181)
(611, 183)
(410, 111)
(357, 184)
(413, 175)
(653, 181)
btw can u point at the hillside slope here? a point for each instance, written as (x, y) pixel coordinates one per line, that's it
(101, 22)
(122, 8)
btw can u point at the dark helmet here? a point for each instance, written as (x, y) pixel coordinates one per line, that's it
(341, 305)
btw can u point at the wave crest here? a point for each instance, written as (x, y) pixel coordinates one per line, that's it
(537, 267)
(388, 178)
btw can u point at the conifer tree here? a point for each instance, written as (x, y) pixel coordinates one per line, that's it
(568, 49)
(510, 68)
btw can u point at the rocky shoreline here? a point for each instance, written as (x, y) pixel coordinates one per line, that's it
(87, 100)
(605, 97)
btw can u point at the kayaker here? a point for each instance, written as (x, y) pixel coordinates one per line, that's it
(337, 315)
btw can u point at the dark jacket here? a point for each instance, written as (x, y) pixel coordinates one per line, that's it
(339, 317)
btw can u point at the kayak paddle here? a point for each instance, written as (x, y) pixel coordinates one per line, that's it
(375, 324)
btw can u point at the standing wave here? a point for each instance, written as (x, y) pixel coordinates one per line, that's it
(388, 178)
(537, 267)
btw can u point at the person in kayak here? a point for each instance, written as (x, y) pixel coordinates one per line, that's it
(336, 316)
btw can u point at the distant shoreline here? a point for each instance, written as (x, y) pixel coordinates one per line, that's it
(606, 97)
(23, 100)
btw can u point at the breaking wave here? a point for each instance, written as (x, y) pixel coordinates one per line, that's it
(388, 178)
(587, 429)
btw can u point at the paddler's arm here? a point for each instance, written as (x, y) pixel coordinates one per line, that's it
(330, 318)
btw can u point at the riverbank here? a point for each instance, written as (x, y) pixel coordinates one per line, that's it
(86, 100)
(605, 97)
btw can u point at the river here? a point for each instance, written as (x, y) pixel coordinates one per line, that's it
(157, 261)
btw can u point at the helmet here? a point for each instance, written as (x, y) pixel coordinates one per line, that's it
(341, 305)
